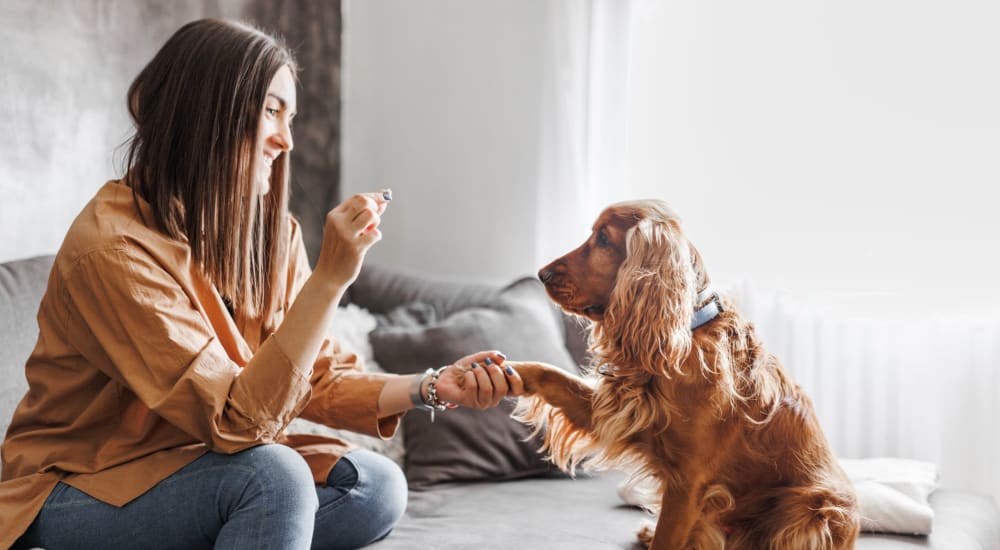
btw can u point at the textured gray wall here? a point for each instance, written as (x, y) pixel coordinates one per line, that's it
(66, 68)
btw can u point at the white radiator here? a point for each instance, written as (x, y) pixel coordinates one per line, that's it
(915, 387)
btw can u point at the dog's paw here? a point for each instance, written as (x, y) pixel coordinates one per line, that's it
(641, 492)
(645, 534)
(536, 376)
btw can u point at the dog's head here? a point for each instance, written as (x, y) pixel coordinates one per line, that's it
(637, 277)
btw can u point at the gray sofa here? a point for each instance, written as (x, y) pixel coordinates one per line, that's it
(475, 482)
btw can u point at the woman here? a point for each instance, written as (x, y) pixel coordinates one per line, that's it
(182, 330)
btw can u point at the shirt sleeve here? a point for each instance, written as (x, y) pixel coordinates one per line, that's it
(137, 322)
(344, 396)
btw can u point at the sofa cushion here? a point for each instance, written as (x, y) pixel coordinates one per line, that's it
(466, 444)
(22, 284)
(554, 514)
(380, 289)
(586, 514)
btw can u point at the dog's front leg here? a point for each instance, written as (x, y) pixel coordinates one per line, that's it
(679, 511)
(564, 391)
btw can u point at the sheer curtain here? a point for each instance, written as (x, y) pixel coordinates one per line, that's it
(584, 124)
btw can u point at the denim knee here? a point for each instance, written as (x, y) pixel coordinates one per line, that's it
(385, 479)
(283, 475)
(356, 510)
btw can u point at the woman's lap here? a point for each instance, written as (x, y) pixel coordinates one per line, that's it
(261, 497)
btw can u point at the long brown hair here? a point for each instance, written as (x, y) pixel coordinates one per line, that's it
(196, 108)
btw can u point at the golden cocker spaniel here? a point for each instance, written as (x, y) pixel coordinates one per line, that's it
(686, 397)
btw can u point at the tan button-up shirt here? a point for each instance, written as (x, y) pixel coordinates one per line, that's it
(139, 370)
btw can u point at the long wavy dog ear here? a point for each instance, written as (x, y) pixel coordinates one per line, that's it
(651, 306)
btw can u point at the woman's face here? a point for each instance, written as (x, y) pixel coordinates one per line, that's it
(274, 134)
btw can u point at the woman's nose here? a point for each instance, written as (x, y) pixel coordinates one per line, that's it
(284, 137)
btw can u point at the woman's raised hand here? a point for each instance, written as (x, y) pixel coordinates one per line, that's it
(478, 381)
(350, 230)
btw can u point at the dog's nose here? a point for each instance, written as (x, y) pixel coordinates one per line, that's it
(545, 274)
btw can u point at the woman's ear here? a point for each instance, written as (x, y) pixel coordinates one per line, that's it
(651, 306)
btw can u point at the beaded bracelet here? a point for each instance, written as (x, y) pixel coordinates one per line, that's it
(432, 403)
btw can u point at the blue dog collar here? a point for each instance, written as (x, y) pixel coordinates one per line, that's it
(709, 311)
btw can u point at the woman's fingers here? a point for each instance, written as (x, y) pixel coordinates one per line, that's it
(482, 357)
(365, 220)
(351, 228)
(470, 388)
(484, 386)
(487, 381)
(514, 381)
(358, 210)
(499, 382)
(515, 385)
(375, 201)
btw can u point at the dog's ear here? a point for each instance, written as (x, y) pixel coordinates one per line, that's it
(650, 310)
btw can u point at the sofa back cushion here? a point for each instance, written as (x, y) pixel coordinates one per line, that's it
(22, 283)
(381, 289)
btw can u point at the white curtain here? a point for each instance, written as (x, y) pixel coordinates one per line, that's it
(585, 120)
(919, 387)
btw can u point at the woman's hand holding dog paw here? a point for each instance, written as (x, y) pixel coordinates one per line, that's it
(479, 381)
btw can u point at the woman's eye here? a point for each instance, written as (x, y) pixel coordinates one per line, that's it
(272, 112)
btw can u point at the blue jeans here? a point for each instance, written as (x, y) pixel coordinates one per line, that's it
(263, 497)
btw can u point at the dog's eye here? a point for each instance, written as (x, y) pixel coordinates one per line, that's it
(602, 239)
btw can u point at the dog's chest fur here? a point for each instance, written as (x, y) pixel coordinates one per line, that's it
(670, 426)
(664, 421)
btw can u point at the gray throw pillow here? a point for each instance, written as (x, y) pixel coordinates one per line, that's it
(468, 444)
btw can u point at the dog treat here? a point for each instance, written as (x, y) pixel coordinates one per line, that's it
(386, 195)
